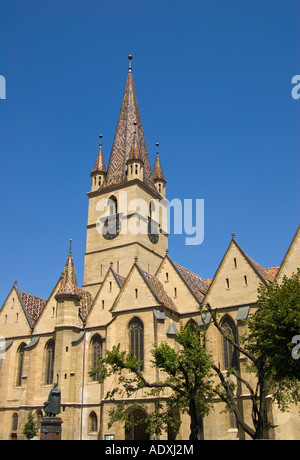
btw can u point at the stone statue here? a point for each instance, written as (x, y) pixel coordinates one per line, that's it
(52, 406)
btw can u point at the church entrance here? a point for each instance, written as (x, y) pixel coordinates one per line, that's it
(137, 431)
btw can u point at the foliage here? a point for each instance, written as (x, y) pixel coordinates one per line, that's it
(185, 371)
(30, 429)
(267, 347)
(271, 331)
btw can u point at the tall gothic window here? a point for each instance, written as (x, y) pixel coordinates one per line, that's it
(93, 423)
(15, 420)
(50, 347)
(230, 353)
(21, 353)
(136, 335)
(96, 354)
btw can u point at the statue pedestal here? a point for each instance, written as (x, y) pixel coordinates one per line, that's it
(51, 429)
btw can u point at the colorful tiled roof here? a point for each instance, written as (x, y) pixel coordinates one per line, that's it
(120, 279)
(135, 151)
(99, 164)
(267, 273)
(33, 305)
(273, 271)
(86, 302)
(68, 285)
(157, 171)
(196, 283)
(160, 291)
(123, 140)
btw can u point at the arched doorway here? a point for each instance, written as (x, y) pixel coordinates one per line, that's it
(137, 430)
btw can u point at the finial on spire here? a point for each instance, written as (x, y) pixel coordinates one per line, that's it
(100, 136)
(70, 244)
(157, 144)
(233, 235)
(130, 59)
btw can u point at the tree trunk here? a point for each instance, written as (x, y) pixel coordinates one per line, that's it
(195, 433)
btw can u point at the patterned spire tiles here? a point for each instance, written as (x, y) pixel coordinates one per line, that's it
(123, 140)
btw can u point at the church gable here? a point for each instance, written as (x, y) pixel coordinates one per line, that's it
(178, 285)
(141, 290)
(108, 291)
(291, 261)
(237, 279)
(47, 319)
(14, 318)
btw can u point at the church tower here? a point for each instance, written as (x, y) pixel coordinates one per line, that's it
(127, 207)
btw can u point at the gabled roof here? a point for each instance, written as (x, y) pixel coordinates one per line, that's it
(158, 290)
(197, 285)
(32, 305)
(154, 285)
(123, 140)
(266, 275)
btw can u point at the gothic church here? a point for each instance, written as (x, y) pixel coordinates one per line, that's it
(134, 294)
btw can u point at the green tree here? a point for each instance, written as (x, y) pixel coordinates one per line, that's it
(30, 429)
(270, 338)
(187, 373)
(267, 347)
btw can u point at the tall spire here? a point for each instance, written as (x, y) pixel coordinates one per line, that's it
(124, 137)
(68, 285)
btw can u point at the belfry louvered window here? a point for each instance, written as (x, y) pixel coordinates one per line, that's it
(136, 331)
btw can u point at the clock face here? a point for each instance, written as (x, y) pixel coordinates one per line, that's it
(153, 232)
(111, 228)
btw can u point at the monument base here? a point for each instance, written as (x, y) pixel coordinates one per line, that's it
(51, 429)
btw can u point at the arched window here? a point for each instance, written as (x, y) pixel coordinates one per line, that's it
(93, 423)
(113, 205)
(137, 429)
(229, 351)
(136, 336)
(96, 354)
(20, 361)
(15, 420)
(50, 348)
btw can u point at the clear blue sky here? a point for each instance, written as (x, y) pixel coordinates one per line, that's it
(213, 82)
